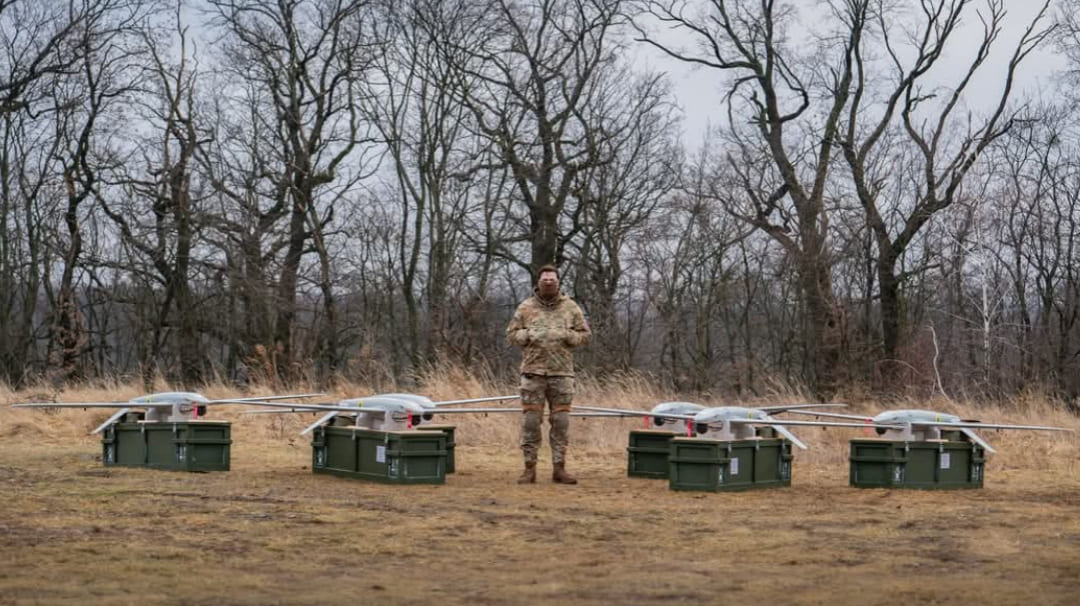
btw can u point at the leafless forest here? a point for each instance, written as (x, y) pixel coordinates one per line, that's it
(287, 190)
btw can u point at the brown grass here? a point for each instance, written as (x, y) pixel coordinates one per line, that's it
(270, 531)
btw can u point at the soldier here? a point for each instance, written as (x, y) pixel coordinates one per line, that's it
(547, 326)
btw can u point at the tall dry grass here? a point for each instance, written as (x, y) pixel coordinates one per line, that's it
(590, 436)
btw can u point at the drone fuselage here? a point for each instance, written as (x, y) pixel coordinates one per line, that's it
(674, 408)
(170, 406)
(917, 424)
(395, 414)
(715, 423)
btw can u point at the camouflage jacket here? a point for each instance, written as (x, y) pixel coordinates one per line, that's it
(546, 332)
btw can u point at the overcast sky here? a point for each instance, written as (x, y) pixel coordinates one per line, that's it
(699, 89)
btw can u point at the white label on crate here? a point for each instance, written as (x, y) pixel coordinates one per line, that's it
(734, 465)
(380, 454)
(945, 460)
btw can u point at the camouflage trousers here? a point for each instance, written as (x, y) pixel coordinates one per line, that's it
(558, 392)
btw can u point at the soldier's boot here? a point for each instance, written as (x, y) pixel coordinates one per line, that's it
(529, 475)
(560, 476)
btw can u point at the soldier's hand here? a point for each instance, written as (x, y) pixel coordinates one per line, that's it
(561, 336)
(521, 337)
(546, 336)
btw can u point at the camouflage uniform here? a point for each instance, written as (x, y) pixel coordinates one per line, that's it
(547, 330)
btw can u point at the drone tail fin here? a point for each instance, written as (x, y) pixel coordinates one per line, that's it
(323, 419)
(780, 429)
(975, 438)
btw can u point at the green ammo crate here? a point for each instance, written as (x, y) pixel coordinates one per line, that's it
(933, 464)
(394, 457)
(647, 454)
(449, 431)
(721, 465)
(181, 446)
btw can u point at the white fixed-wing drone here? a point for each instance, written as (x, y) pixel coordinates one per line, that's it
(171, 406)
(920, 425)
(730, 422)
(385, 412)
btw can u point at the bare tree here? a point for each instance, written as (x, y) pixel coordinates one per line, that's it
(1037, 185)
(81, 106)
(780, 165)
(690, 258)
(28, 200)
(618, 197)
(539, 67)
(414, 106)
(44, 47)
(302, 60)
(157, 212)
(945, 140)
(1068, 39)
(41, 40)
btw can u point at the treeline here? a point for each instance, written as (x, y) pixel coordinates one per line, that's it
(291, 190)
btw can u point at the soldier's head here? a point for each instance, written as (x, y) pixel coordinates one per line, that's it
(547, 281)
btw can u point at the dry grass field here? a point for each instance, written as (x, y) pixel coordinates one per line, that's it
(271, 532)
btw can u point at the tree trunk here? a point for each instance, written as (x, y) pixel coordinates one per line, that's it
(286, 297)
(889, 287)
(67, 334)
(823, 337)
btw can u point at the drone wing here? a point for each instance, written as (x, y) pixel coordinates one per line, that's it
(977, 425)
(505, 409)
(787, 407)
(264, 399)
(622, 412)
(301, 407)
(332, 410)
(474, 400)
(778, 425)
(515, 409)
(70, 404)
(335, 411)
(253, 400)
(774, 421)
(834, 415)
(445, 411)
(967, 427)
(486, 410)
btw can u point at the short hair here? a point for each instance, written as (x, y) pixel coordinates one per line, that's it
(546, 268)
